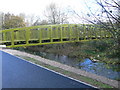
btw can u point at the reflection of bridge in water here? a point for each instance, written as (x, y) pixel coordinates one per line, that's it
(52, 34)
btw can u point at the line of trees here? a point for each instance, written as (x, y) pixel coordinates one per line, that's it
(110, 12)
(108, 16)
(54, 15)
(11, 21)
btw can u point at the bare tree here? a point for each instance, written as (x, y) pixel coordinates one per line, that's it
(110, 12)
(55, 15)
(43, 22)
(1, 20)
(108, 16)
(32, 20)
(110, 9)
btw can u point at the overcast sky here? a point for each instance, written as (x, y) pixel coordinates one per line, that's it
(37, 7)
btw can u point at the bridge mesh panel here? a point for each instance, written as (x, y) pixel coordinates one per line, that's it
(20, 35)
(65, 33)
(16, 35)
(55, 32)
(49, 33)
(81, 32)
(45, 33)
(7, 36)
(34, 34)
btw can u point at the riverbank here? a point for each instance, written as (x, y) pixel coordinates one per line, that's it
(104, 50)
(78, 74)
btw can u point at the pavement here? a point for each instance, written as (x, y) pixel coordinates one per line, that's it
(102, 79)
(19, 73)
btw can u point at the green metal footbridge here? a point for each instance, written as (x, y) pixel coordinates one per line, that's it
(52, 34)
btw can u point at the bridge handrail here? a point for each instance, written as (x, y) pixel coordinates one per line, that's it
(60, 32)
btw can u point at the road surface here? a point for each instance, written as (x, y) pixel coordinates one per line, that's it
(18, 73)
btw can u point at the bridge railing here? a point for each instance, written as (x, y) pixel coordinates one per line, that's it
(48, 34)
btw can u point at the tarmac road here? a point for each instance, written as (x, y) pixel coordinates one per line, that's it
(18, 73)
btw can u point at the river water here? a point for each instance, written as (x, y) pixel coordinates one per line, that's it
(99, 68)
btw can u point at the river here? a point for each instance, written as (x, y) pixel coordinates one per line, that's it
(99, 68)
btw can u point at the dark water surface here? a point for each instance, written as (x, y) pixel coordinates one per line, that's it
(103, 69)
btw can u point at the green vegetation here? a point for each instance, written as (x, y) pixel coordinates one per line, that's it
(104, 50)
(70, 74)
(11, 21)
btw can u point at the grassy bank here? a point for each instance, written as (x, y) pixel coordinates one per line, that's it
(104, 50)
(70, 74)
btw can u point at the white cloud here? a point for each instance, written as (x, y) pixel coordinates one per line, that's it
(37, 7)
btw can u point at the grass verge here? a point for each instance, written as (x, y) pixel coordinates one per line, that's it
(68, 73)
